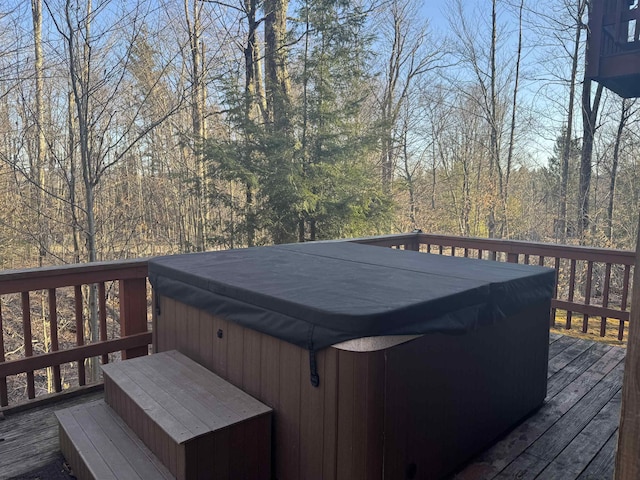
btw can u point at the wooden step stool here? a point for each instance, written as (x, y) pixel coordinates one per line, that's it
(196, 423)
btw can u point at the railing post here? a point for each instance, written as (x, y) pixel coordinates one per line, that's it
(415, 242)
(133, 312)
(627, 460)
(512, 257)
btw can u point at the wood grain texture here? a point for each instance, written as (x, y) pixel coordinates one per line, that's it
(140, 340)
(311, 419)
(330, 419)
(602, 465)
(30, 436)
(190, 405)
(628, 455)
(572, 370)
(576, 456)
(357, 420)
(53, 335)
(570, 436)
(287, 446)
(133, 312)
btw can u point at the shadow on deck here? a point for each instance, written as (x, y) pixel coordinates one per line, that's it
(572, 436)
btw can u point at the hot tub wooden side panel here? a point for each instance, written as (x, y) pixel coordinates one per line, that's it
(451, 396)
(332, 432)
(433, 402)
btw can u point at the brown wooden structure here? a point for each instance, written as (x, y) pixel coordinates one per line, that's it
(614, 46)
(572, 437)
(594, 285)
(628, 454)
(417, 409)
(165, 416)
(593, 282)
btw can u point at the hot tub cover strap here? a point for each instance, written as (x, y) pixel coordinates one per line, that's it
(313, 366)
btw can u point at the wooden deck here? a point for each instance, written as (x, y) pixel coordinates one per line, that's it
(29, 439)
(573, 435)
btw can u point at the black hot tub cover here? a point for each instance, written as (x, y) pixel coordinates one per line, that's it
(319, 294)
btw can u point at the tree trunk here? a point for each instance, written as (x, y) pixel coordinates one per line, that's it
(277, 85)
(564, 176)
(512, 129)
(38, 167)
(589, 117)
(624, 115)
(80, 74)
(198, 98)
(495, 173)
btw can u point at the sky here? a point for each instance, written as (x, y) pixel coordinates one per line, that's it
(433, 11)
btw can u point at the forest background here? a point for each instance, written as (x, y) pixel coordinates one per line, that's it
(136, 128)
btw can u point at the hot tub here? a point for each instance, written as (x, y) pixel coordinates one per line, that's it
(378, 363)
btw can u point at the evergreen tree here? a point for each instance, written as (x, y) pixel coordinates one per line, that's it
(554, 174)
(339, 191)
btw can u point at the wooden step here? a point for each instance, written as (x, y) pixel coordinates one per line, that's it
(99, 446)
(198, 424)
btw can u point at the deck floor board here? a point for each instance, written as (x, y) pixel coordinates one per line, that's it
(571, 437)
(30, 437)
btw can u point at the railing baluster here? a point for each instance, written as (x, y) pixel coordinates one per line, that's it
(552, 320)
(572, 286)
(54, 361)
(466, 252)
(53, 333)
(625, 296)
(82, 380)
(28, 345)
(102, 307)
(453, 251)
(440, 249)
(605, 299)
(4, 397)
(555, 255)
(587, 297)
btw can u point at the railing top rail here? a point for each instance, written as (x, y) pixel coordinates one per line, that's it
(15, 281)
(624, 257)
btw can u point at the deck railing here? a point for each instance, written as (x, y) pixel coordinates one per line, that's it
(18, 290)
(591, 282)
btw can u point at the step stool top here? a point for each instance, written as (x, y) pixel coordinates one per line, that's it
(184, 398)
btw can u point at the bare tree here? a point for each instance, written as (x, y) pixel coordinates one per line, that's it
(411, 54)
(512, 127)
(625, 114)
(576, 15)
(589, 118)
(105, 125)
(192, 15)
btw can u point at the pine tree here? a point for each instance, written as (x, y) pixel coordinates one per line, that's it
(339, 192)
